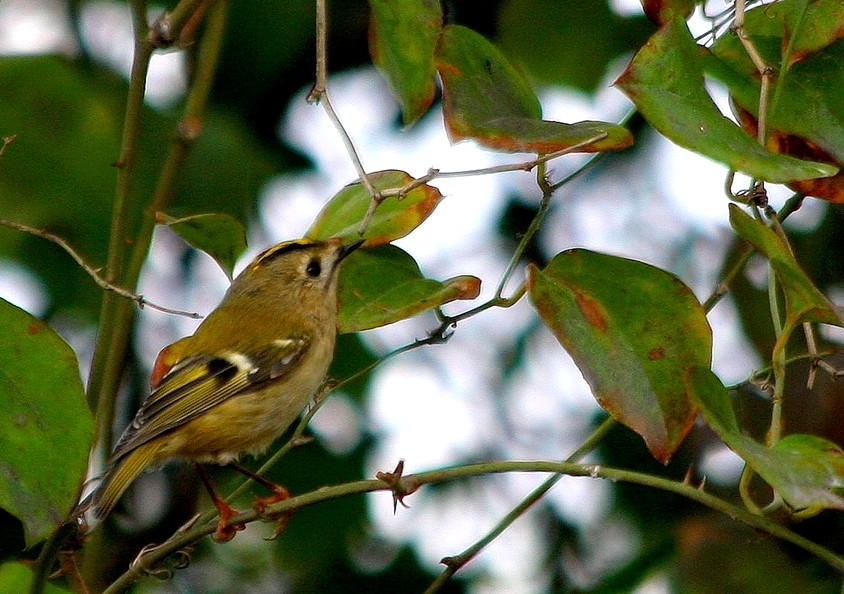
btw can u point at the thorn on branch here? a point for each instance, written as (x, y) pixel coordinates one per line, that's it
(399, 486)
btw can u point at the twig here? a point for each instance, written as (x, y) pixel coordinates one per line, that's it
(411, 482)
(454, 563)
(92, 272)
(321, 53)
(722, 288)
(509, 167)
(765, 71)
(177, 24)
(115, 317)
(7, 140)
(319, 94)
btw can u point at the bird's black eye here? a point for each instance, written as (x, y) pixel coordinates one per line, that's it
(314, 268)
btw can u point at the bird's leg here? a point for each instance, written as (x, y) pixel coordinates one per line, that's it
(225, 531)
(260, 504)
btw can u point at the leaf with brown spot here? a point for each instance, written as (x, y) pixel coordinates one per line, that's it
(486, 99)
(805, 116)
(665, 81)
(827, 188)
(634, 331)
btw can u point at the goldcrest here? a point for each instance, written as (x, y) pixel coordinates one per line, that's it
(244, 376)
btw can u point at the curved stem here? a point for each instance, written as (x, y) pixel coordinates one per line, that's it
(778, 362)
(410, 483)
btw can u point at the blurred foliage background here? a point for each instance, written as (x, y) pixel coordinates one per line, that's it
(65, 109)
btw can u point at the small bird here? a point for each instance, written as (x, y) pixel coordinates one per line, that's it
(241, 379)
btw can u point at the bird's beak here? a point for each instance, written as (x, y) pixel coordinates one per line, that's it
(345, 250)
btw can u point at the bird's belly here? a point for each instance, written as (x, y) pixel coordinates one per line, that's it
(245, 424)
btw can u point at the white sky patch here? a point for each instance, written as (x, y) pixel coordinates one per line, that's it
(338, 424)
(107, 29)
(626, 7)
(21, 287)
(721, 466)
(34, 27)
(415, 412)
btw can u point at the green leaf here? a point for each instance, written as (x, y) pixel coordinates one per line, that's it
(806, 470)
(805, 99)
(803, 301)
(394, 218)
(17, 577)
(810, 25)
(383, 285)
(633, 330)
(46, 427)
(219, 235)
(487, 100)
(403, 35)
(568, 33)
(665, 81)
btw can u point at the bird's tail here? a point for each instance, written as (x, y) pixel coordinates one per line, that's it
(120, 474)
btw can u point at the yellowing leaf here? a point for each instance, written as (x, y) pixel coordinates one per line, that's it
(633, 330)
(395, 217)
(486, 99)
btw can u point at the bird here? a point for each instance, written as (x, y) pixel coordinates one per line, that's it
(241, 379)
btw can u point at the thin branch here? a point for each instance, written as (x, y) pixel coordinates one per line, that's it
(178, 24)
(188, 130)
(765, 71)
(7, 140)
(456, 562)
(722, 288)
(92, 272)
(321, 53)
(506, 168)
(319, 94)
(410, 483)
(115, 316)
(350, 148)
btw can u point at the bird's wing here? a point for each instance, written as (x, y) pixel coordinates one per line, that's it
(198, 383)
